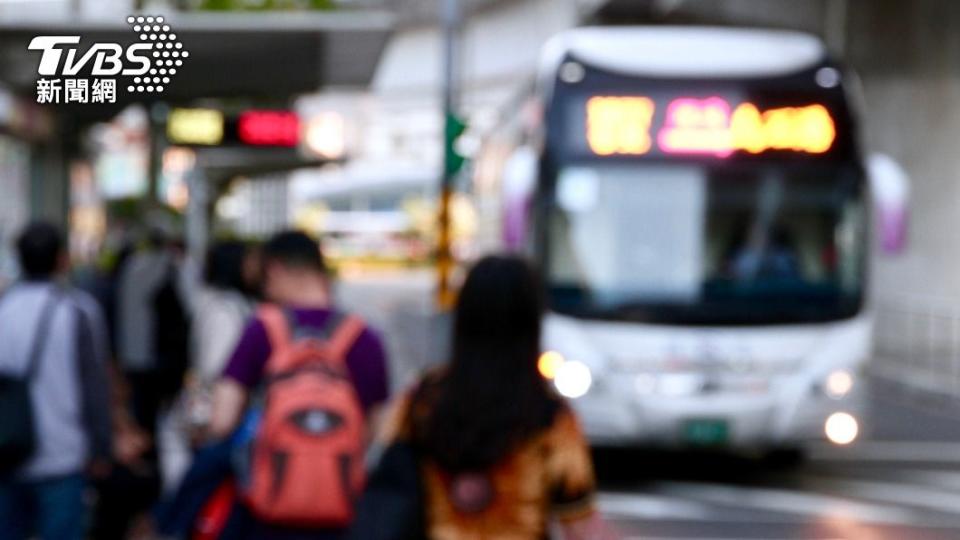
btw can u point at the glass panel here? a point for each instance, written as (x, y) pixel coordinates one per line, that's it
(695, 243)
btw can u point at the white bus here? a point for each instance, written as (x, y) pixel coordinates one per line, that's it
(700, 207)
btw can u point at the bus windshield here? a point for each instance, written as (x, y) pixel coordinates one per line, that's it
(701, 243)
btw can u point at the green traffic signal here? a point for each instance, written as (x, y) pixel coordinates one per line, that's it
(452, 160)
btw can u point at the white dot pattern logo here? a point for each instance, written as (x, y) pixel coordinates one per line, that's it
(153, 30)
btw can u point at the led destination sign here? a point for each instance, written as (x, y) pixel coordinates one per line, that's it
(707, 126)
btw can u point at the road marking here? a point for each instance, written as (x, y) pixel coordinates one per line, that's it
(632, 506)
(942, 479)
(688, 537)
(653, 507)
(642, 507)
(899, 493)
(794, 503)
(949, 480)
(889, 451)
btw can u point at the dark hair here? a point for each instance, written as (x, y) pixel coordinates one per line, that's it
(156, 238)
(223, 268)
(294, 249)
(492, 396)
(39, 247)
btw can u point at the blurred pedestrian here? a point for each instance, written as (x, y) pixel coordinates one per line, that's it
(121, 494)
(499, 454)
(222, 305)
(152, 336)
(152, 326)
(55, 337)
(301, 352)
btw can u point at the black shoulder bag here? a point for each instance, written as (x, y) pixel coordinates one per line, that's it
(392, 505)
(18, 436)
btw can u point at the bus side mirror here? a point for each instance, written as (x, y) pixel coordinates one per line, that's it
(890, 189)
(519, 181)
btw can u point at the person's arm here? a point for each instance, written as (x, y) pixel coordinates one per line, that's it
(130, 441)
(589, 527)
(573, 483)
(367, 362)
(229, 400)
(376, 417)
(243, 372)
(95, 388)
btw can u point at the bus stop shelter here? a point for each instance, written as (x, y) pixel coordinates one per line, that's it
(246, 59)
(263, 56)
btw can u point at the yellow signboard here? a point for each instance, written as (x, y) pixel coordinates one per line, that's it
(195, 126)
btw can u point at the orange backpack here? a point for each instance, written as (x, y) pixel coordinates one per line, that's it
(306, 461)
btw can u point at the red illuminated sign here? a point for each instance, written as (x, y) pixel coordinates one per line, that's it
(618, 125)
(269, 128)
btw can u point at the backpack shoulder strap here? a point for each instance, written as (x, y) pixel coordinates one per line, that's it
(346, 332)
(42, 333)
(275, 322)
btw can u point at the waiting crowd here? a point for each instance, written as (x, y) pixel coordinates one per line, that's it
(136, 403)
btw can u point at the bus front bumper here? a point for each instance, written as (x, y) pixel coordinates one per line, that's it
(779, 417)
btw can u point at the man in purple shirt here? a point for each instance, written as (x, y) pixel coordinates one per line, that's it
(295, 277)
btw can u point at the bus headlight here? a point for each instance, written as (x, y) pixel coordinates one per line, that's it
(841, 428)
(549, 364)
(573, 379)
(838, 384)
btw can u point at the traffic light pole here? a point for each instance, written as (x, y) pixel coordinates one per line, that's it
(445, 265)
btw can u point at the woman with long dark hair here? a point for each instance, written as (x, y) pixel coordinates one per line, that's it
(221, 305)
(224, 303)
(501, 455)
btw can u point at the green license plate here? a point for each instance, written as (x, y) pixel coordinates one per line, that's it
(706, 432)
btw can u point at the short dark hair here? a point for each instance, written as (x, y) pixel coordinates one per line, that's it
(296, 250)
(224, 265)
(39, 247)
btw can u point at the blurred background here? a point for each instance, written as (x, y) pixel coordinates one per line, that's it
(403, 110)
